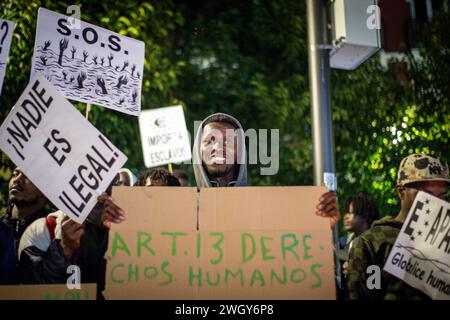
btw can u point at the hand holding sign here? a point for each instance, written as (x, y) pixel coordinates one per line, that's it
(71, 234)
(329, 207)
(111, 213)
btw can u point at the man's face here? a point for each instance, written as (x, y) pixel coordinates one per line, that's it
(408, 193)
(219, 149)
(353, 222)
(22, 191)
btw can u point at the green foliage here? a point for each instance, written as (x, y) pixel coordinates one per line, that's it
(383, 114)
(153, 22)
(248, 59)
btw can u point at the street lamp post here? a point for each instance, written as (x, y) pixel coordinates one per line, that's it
(319, 83)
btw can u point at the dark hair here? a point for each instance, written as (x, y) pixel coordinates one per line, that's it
(160, 174)
(363, 206)
(180, 174)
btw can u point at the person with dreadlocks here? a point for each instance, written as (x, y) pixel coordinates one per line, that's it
(360, 211)
(157, 177)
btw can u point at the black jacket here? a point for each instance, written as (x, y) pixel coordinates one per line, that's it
(42, 260)
(8, 272)
(18, 226)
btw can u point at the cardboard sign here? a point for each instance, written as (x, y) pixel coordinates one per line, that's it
(6, 32)
(89, 64)
(61, 152)
(237, 243)
(88, 291)
(164, 136)
(421, 253)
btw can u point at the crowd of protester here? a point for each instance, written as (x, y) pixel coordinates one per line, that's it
(37, 244)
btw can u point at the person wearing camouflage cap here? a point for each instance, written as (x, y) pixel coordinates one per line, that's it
(417, 172)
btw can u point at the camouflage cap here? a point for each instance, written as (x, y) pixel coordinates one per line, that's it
(421, 167)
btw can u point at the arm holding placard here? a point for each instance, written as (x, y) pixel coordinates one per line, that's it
(42, 259)
(50, 265)
(45, 257)
(71, 235)
(111, 212)
(329, 207)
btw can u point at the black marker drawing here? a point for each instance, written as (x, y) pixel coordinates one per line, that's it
(110, 57)
(81, 77)
(102, 84)
(62, 46)
(47, 44)
(441, 266)
(43, 60)
(122, 80)
(125, 64)
(85, 55)
(95, 78)
(100, 66)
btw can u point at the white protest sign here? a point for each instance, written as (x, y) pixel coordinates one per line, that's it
(89, 64)
(61, 152)
(6, 32)
(421, 253)
(164, 136)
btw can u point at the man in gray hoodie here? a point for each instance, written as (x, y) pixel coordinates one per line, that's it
(219, 159)
(219, 154)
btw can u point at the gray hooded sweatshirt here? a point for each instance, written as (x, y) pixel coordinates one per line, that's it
(201, 177)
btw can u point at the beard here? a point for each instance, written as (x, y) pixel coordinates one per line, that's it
(217, 171)
(23, 203)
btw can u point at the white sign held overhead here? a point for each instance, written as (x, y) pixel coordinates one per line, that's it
(61, 152)
(164, 136)
(421, 253)
(6, 32)
(89, 64)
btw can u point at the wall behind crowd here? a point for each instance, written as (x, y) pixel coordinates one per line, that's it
(249, 59)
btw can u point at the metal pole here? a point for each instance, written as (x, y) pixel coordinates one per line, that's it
(319, 82)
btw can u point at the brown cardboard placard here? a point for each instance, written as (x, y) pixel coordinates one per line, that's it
(88, 291)
(142, 263)
(252, 243)
(272, 238)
